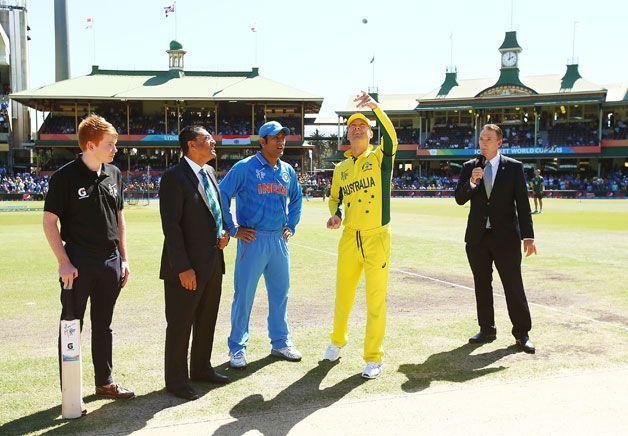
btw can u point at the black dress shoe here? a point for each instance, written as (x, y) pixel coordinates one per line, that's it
(187, 393)
(526, 345)
(483, 338)
(214, 377)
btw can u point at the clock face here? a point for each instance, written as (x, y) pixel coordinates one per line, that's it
(509, 59)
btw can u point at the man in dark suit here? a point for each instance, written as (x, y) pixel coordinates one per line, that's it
(499, 218)
(192, 261)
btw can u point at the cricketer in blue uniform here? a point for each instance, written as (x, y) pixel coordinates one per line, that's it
(262, 185)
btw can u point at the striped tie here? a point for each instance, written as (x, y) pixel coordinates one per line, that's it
(212, 198)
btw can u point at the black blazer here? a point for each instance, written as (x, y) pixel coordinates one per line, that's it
(188, 225)
(508, 207)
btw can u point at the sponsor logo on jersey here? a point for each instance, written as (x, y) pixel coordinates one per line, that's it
(82, 193)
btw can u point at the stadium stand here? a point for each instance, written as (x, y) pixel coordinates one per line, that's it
(450, 136)
(618, 132)
(518, 135)
(155, 124)
(573, 134)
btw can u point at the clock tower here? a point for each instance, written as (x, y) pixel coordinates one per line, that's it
(508, 82)
(510, 51)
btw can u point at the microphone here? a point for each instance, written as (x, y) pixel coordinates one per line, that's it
(481, 161)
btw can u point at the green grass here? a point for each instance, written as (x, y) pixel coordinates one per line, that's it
(577, 287)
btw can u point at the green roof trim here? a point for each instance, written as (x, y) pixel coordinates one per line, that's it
(336, 157)
(96, 70)
(175, 45)
(474, 104)
(569, 79)
(614, 151)
(405, 155)
(510, 41)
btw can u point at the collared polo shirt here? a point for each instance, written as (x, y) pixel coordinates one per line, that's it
(87, 205)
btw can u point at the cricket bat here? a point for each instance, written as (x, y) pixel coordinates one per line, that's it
(71, 367)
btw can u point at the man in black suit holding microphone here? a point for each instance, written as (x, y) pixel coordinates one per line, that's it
(192, 262)
(498, 220)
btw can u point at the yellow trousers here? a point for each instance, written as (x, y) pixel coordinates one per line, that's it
(367, 250)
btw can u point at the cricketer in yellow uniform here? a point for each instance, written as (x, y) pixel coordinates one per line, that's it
(361, 192)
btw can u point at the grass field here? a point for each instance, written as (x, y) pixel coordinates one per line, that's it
(577, 287)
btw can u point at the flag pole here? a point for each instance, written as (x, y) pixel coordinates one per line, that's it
(94, 41)
(253, 28)
(175, 20)
(373, 62)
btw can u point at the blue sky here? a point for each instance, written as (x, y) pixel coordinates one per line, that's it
(324, 48)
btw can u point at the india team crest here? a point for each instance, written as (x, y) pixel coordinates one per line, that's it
(285, 176)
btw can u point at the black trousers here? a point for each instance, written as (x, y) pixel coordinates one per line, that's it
(507, 259)
(187, 311)
(99, 279)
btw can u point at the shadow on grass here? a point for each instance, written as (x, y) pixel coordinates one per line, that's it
(457, 365)
(117, 416)
(122, 416)
(236, 374)
(290, 406)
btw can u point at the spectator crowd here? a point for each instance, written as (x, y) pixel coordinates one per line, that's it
(614, 182)
(22, 183)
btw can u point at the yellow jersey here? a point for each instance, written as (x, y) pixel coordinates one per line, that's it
(361, 186)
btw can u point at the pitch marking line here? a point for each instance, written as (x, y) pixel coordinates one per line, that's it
(456, 285)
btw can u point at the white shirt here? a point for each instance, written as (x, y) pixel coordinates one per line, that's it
(494, 163)
(197, 169)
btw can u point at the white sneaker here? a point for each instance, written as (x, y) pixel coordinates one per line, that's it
(289, 353)
(372, 370)
(237, 360)
(332, 353)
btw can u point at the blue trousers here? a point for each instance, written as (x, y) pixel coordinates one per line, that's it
(268, 255)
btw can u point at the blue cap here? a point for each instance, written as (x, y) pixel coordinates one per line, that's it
(272, 128)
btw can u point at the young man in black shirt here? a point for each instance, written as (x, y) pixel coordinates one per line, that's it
(85, 196)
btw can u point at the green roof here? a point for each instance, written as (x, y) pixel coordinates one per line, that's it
(175, 45)
(549, 84)
(510, 41)
(571, 76)
(509, 77)
(169, 85)
(448, 84)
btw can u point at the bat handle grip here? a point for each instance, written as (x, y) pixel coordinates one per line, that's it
(67, 301)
